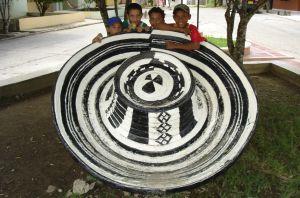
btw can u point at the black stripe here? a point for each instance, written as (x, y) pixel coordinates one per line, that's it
(139, 130)
(187, 122)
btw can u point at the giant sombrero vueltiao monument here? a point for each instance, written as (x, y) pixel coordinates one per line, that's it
(144, 118)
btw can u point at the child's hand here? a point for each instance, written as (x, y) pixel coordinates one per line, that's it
(186, 31)
(147, 28)
(139, 29)
(97, 39)
(127, 30)
(170, 45)
(133, 26)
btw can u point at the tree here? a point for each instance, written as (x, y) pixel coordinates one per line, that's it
(103, 12)
(87, 4)
(43, 5)
(126, 4)
(5, 14)
(245, 12)
(116, 8)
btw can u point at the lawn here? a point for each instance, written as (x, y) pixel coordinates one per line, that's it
(220, 42)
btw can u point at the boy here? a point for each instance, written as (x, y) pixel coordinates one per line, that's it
(157, 21)
(134, 15)
(181, 16)
(156, 17)
(115, 27)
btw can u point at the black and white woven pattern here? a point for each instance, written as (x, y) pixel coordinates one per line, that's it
(149, 119)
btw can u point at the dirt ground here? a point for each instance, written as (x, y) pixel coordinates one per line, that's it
(32, 156)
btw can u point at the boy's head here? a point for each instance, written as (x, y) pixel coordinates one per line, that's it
(156, 16)
(181, 15)
(115, 26)
(134, 13)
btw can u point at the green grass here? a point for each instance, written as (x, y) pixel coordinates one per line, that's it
(220, 42)
(270, 164)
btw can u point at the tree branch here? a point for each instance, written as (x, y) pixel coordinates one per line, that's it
(230, 17)
(116, 8)
(103, 12)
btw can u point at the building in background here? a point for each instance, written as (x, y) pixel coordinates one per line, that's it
(293, 5)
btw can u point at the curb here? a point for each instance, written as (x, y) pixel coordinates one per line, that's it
(49, 29)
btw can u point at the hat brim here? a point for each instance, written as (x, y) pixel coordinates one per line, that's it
(228, 121)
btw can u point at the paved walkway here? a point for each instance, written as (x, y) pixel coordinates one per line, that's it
(260, 53)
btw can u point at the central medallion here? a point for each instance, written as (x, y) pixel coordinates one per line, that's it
(153, 80)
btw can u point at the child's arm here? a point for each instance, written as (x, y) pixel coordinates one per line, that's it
(126, 30)
(134, 28)
(196, 39)
(184, 46)
(143, 27)
(98, 38)
(171, 27)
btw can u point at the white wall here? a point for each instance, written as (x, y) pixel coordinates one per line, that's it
(18, 8)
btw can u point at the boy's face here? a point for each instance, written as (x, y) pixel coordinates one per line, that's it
(115, 28)
(181, 18)
(155, 19)
(134, 16)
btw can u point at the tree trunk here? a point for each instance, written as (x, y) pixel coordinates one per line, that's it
(230, 16)
(5, 15)
(116, 8)
(125, 12)
(39, 6)
(44, 9)
(103, 12)
(238, 53)
(6, 26)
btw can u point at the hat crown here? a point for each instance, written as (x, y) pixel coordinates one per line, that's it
(152, 81)
(150, 103)
(182, 7)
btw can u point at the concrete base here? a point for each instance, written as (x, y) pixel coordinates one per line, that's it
(29, 23)
(246, 49)
(254, 68)
(27, 87)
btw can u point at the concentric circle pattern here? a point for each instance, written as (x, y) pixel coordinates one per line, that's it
(149, 119)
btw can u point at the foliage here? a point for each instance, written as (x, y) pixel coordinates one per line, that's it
(43, 5)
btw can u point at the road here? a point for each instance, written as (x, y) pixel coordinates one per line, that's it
(42, 53)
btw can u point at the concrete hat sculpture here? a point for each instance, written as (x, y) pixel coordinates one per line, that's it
(144, 118)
